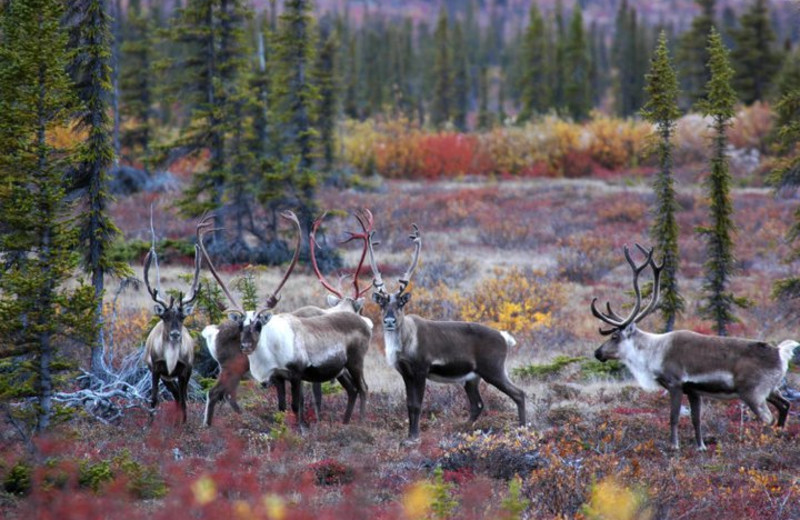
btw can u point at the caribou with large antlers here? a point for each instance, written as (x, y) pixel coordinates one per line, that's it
(685, 362)
(442, 351)
(310, 361)
(169, 349)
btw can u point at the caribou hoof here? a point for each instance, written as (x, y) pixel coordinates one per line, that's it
(411, 442)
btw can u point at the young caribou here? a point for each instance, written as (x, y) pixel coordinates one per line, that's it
(169, 349)
(684, 362)
(442, 351)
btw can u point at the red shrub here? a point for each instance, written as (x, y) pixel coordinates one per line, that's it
(447, 154)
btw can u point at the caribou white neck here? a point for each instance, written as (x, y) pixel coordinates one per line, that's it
(643, 353)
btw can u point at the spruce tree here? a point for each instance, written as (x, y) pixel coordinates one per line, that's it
(754, 56)
(207, 79)
(460, 79)
(719, 105)
(692, 55)
(661, 109)
(90, 42)
(38, 240)
(295, 100)
(484, 116)
(136, 84)
(558, 60)
(443, 74)
(328, 109)
(577, 97)
(535, 88)
(629, 57)
(787, 175)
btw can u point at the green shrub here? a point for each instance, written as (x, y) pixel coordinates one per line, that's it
(594, 368)
(553, 367)
(18, 480)
(94, 475)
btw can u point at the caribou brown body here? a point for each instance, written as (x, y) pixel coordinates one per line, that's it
(442, 351)
(698, 365)
(169, 349)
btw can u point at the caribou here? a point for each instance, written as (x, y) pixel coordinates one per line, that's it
(698, 365)
(169, 349)
(239, 336)
(442, 351)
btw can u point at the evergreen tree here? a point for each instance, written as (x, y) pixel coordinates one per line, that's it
(38, 240)
(460, 79)
(484, 117)
(692, 55)
(535, 87)
(754, 56)
(661, 109)
(441, 108)
(577, 96)
(558, 60)
(207, 79)
(789, 75)
(719, 105)
(295, 100)
(136, 84)
(90, 40)
(328, 109)
(629, 57)
(787, 174)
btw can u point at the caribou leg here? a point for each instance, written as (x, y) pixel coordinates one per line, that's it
(474, 396)
(696, 405)
(779, 402)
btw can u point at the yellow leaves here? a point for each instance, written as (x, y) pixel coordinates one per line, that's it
(417, 501)
(204, 490)
(275, 505)
(611, 500)
(512, 301)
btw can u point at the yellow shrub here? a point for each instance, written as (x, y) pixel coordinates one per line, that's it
(611, 500)
(616, 143)
(358, 143)
(512, 301)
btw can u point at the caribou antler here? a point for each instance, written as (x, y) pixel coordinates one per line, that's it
(656, 293)
(312, 241)
(404, 281)
(273, 299)
(367, 222)
(377, 280)
(203, 227)
(611, 318)
(153, 292)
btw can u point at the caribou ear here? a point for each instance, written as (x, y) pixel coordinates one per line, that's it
(358, 304)
(236, 316)
(187, 309)
(403, 299)
(159, 309)
(333, 301)
(264, 317)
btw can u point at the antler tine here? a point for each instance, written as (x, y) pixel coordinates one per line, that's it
(202, 228)
(153, 293)
(312, 246)
(414, 236)
(367, 222)
(612, 318)
(377, 281)
(653, 304)
(273, 299)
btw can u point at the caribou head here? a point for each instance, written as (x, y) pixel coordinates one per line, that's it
(392, 304)
(337, 298)
(172, 314)
(623, 329)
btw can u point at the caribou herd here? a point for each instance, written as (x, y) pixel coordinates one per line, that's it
(316, 345)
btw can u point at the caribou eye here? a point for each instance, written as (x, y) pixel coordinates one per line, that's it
(615, 336)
